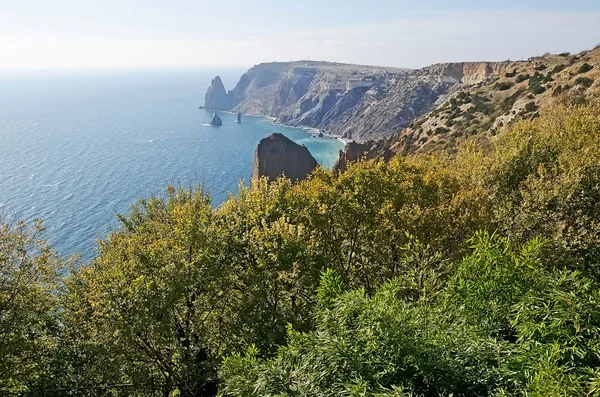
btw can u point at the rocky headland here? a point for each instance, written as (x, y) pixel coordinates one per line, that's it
(399, 111)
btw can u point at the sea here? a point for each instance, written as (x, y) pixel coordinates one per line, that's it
(78, 148)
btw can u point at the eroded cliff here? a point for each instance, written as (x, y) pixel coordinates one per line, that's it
(277, 155)
(354, 101)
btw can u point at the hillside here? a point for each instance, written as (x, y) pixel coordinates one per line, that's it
(429, 275)
(512, 91)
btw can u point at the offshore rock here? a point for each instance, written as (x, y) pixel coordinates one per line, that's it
(277, 155)
(216, 121)
(216, 97)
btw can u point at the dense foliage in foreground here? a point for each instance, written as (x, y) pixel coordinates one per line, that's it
(471, 275)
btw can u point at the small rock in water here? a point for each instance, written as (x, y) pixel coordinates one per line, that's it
(216, 121)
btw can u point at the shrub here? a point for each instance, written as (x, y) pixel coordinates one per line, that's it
(530, 107)
(502, 323)
(535, 84)
(522, 77)
(558, 68)
(586, 67)
(504, 85)
(558, 90)
(584, 81)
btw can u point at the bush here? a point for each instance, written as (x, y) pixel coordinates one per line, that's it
(586, 67)
(504, 85)
(530, 107)
(520, 324)
(410, 305)
(558, 90)
(522, 77)
(535, 84)
(29, 306)
(584, 81)
(558, 68)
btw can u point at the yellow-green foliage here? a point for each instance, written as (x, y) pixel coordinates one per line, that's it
(28, 306)
(182, 285)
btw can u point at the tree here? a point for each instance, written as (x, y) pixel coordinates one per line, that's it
(29, 312)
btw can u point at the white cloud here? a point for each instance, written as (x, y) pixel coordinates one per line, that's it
(416, 40)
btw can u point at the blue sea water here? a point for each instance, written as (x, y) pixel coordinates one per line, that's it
(78, 148)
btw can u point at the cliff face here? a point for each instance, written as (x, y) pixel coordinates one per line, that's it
(416, 110)
(352, 152)
(216, 97)
(353, 101)
(468, 72)
(277, 155)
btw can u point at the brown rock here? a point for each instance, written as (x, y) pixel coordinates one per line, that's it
(352, 152)
(277, 155)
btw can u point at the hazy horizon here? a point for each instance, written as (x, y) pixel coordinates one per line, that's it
(82, 35)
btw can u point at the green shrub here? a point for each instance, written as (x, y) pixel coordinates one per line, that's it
(530, 107)
(586, 67)
(584, 81)
(504, 323)
(535, 84)
(503, 86)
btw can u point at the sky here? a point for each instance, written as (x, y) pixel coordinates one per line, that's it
(183, 34)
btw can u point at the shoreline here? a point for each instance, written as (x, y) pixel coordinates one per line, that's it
(310, 130)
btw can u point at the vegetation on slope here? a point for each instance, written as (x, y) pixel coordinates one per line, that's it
(472, 274)
(484, 109)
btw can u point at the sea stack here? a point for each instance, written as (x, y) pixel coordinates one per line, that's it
(216, 97)
(277, 155)
(352, 152)
(216, 121)
(239, 118)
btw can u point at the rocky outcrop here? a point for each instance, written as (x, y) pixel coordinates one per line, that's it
(216, 121)
(277, 155)
(352, 152)
(216, 97)
(469, 72)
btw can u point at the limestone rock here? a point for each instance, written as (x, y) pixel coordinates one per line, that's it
(352, 152)
(216, 97)
(216, 121)
(277, 155)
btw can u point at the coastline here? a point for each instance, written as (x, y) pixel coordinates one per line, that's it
(310, 130)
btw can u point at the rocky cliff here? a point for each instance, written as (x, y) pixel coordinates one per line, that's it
(353, 151)
(277, 155)
(216, 97)
(354, 101)
(433, 108)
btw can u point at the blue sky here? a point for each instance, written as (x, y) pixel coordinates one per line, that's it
(83, 34)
